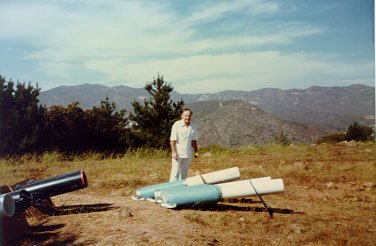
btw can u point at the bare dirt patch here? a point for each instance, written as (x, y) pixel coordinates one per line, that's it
(330, 214)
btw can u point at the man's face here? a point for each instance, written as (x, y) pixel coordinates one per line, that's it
(186, 116)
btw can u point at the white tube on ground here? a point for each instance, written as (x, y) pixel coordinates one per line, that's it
(7, 206)
(244, 188)
(214, 177)
(172, 197)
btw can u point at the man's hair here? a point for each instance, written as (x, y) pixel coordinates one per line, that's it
(187, 109)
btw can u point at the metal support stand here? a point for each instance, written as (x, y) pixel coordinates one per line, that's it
(270, 211)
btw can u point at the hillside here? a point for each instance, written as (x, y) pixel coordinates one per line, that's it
(333, 107)
(236, 123)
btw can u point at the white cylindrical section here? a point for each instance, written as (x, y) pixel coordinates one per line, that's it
(214, 177)
(7, 206)
(245, 188)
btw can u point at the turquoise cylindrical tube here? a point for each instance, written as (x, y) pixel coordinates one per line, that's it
(190, 195)
(148, 191)
(160, 192)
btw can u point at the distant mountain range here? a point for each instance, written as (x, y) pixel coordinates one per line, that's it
(333, 107)
(302, 114)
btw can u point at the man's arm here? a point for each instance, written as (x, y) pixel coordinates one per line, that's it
(194, 146)
(173, 149)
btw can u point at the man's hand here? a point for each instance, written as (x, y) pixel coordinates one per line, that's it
(196, 155)
(175, 155)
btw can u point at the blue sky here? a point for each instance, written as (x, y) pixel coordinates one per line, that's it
(198, 46)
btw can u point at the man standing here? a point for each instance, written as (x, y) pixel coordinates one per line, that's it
(182, 139)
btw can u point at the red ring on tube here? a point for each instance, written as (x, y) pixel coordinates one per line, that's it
(83, 179)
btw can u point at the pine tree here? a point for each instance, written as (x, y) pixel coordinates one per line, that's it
(107, 127)
(22, 119)
(156, 116)
(66, 128)
(358, 132)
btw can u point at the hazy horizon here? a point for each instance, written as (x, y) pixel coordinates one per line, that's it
(109, 86)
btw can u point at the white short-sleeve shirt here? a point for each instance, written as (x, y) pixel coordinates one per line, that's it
(183, 135)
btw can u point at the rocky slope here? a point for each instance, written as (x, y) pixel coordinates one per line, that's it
(236, 123)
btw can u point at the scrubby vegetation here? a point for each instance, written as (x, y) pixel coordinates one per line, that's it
(355, 132)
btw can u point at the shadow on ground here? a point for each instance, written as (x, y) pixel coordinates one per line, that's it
(78, 209)
(51, 210)
(237, 205)
(48, 234)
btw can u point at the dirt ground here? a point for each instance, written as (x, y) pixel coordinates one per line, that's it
(320, 214)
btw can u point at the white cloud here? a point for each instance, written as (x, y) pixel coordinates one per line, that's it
(132, 41)
(25, 20)
(220, 8)
(130, 30)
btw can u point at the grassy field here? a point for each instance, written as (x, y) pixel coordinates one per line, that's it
(329, 198)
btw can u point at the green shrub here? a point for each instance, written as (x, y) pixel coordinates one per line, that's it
(359, 132)
(282, 139)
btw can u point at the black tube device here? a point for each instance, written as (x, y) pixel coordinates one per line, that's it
(43, 189)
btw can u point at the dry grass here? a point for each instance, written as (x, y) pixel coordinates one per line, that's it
(329, 199)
